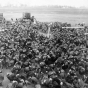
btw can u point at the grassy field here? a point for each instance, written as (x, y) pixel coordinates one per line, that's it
(70, 18)
(73, 16)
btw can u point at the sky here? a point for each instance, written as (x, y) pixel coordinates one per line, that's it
(74, 3)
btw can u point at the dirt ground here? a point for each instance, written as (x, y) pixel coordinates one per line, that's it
(6, 81)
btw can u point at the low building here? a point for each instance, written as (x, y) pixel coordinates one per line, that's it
(26, 15)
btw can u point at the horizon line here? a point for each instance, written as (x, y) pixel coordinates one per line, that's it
(24, 5)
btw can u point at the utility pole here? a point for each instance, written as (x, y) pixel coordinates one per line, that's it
(49, 26)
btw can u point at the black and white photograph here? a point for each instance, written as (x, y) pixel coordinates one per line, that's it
(43, 43)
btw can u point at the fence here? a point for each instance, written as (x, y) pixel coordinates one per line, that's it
(1, 17)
